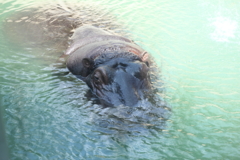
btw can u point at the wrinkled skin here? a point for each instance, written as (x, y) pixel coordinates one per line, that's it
(113, 67)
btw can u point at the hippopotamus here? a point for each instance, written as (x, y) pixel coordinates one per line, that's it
(114, 67)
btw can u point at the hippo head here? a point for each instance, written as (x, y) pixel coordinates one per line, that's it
(116, 79)
(114, 67)
(119, 81)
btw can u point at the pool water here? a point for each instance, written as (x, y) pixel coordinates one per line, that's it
(195, 43)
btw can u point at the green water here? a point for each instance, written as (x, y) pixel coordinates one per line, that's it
(196, 45)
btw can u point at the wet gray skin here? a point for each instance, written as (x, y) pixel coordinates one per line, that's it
(119, 81)
(115, 69)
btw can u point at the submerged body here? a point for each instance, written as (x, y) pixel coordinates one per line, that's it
(114, 67)
(117, 70)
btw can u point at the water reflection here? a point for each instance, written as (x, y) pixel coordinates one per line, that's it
(224, 29)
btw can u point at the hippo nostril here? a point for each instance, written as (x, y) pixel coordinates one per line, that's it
(123, 64)
(137, 75)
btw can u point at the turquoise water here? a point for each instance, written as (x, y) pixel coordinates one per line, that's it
(196, 45)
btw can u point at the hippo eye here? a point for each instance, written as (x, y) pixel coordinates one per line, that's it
(97, 80)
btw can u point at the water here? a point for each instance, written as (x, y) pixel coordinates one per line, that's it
(196, 45)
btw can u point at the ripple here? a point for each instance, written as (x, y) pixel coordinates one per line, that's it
(50, 115)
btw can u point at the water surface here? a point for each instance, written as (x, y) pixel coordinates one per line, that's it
(196, 46)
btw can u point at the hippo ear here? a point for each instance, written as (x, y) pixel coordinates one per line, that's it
(78, 66)
(87, 63)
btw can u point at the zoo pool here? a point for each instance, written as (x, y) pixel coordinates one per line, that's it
(196, 44)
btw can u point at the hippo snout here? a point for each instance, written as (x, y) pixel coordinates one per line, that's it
(120, 83)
